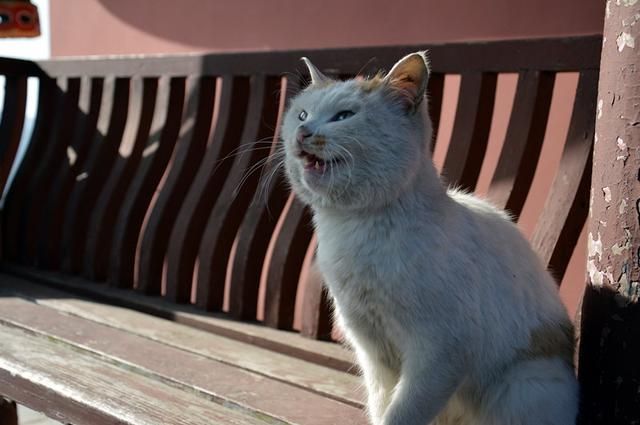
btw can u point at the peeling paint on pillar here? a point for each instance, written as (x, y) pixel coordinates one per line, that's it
(610, 319)
(616, 172)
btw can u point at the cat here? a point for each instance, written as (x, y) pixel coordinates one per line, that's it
(452, 316)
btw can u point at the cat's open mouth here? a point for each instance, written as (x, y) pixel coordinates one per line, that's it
(314, 163)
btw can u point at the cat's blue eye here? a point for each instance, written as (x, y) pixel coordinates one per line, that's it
(302, 115)
(342, 115)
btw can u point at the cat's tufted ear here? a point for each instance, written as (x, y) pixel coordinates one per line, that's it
(317, 77)
(409, 78)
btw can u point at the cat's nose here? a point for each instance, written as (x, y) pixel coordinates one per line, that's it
(302, 133)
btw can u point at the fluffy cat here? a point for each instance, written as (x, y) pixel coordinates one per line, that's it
(452, 316)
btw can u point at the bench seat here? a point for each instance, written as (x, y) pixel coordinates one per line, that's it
(109, 363)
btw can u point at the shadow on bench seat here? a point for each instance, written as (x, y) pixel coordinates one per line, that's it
(146, 193)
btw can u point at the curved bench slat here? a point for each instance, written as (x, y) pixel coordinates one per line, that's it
(68, 91)
(134, 138)
(567, 204)
(192, 217)
(13, 113)
(519, 156)
(435, 92)
(288, 255)
(90, 181)
(238, 190)
(183, 166)
(259, 222)
(52, 215)
(470, 129)
(316, 320)
(164, 133)
(18, 195)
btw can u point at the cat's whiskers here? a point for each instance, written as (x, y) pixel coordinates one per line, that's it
(246, 147)
(255, 167)
(358, 142)
(267, 184)
(276, 161)
(241, 150)
(350, 163)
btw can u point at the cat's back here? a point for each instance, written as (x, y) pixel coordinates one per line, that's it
(503, 258)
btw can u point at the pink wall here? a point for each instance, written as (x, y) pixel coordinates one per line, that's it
(89, 27)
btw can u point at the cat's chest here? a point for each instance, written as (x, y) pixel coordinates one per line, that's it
(360, 265)
(357, 260)
(366, 304)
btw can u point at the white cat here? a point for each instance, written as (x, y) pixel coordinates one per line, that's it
(453, 318)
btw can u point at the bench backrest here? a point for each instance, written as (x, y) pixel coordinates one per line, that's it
(145, 172)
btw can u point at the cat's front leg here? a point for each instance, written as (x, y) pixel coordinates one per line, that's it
(380, 382)
(426, 384)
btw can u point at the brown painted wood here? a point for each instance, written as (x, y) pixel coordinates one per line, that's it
(251, 394)
(552, 54)
(142, 100)
(47, 166)
(191, 148)
(470, 130)
(164, 132)
(235, 197)
(11, 67)
(567, 204)
(316, 305)
(91, 179)
(18, 194)
(256, 230)
(8, 412)
(435, 92)
(74, 386)
(187, 233)
(286, 263)
(289, 343)
(299, 373)
(13, 110)
(518, 161)
(52, 214)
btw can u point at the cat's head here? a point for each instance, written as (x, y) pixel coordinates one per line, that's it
(358, 143)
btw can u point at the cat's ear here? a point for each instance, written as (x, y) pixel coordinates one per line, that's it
(317, 77)
(408, 78)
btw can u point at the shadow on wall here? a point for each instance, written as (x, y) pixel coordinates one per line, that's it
(120, 26)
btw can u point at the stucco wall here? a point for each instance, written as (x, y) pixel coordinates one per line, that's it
(87, 27)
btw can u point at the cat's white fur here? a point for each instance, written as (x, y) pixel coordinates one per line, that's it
(452, 316)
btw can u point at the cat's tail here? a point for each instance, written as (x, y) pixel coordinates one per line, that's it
(540, 391)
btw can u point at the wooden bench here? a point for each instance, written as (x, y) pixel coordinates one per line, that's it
(150, 276)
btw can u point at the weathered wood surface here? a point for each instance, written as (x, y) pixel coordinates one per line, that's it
(77, 387)
(318, 379)
(245, 391)
(289, 343)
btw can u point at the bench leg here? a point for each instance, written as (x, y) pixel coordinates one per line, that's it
(8, 412)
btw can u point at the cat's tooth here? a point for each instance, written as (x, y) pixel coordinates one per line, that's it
(317, 165)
